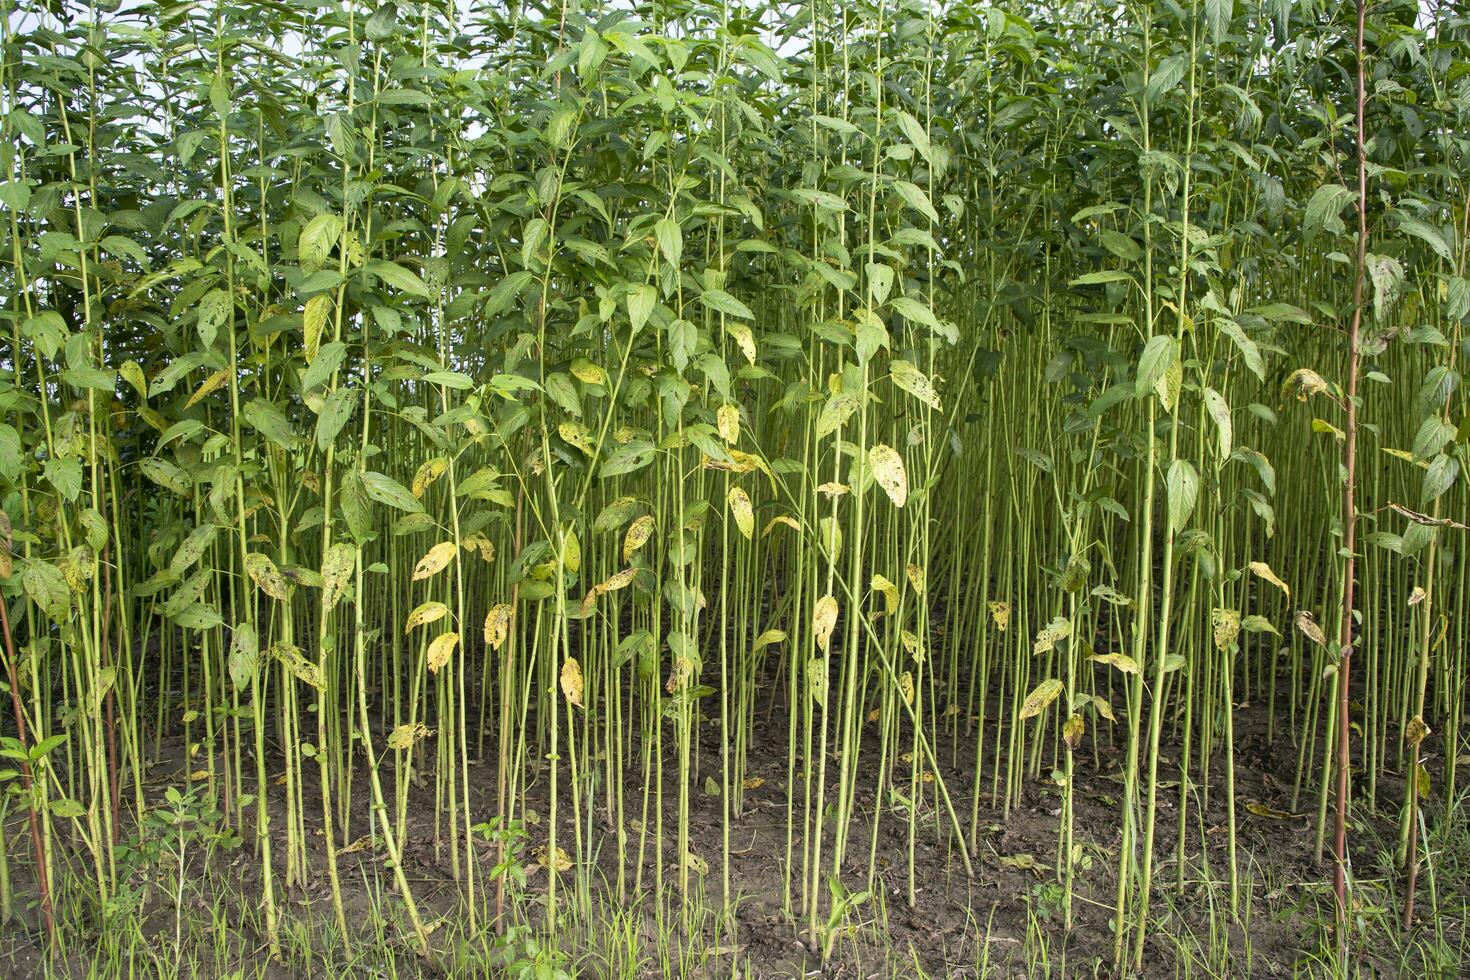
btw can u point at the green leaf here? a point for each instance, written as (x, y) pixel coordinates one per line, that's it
(386, 490)
(398, 277)
(65, 474)
(268, 419)
(722, 302)
(1183, 487)
(46, 586)
(670, 240)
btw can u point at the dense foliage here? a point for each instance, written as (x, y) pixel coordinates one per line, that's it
(411, 407)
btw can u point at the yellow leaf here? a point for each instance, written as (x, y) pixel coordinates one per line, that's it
(767, 638)
(740, 507)
(1000, 613)
(696, 863)
(889, 471)
(1042, 695)
(571, 551)
(478, 542)
(497, 625)
(1307, 623)
(587, 372)
(429, 471)
(435, 560)
(133, 375)
(1264, 571)
(754, 782)
(423, 614)
(541, 854)
(441, 649)
(906, 687)
(337, 567)
(1262, 810)
(912, 645)
(1121, 661)
(621, 580)
(404, 736)
(571, 681)
(833, 489)
(267, 576)
(313, 321)
(578, 435)
(1073, 730)
(783, 519)
(638, 534)
(916, 577)
(880, 583)
(210, 384)
(824, 620)
(727, 419)
(743, 338)
(1053, 632)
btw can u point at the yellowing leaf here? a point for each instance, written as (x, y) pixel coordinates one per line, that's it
(889, 471)
(571, 551)
(768, 638)
(916, 577)
(429, 471)
(906, 687)
(1307, 623)
(727, 420)
(337, 567)
(754, 782)
(913, 381)
(587, 372)
(1042, 695)
(824, 620)
(741, 509)
(425, 613)
(440, 650)
(313, 321)
(1262, 810)
(497, 625)
(266, 576)
(833, 489)
(1264, 571)
(133, 375)
(543, 857)
(1051, 634)
(1000, 613)
(816, 679)
(621, 580)
(480, 543)
(578, 435)
(881, 584)
(1121, 661)
(571, 681)
(743, 338)
(435, 560)
(638, 534)
(779, 520)
(404, 736)
(211, 383)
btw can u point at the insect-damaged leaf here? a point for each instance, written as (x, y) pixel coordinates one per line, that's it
(571, 681)
(824, 620)
(497, 625)
(888, 470)
(740, 508)
(435, 560)
(425, 613)
(1042, 695)
(440, 650)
